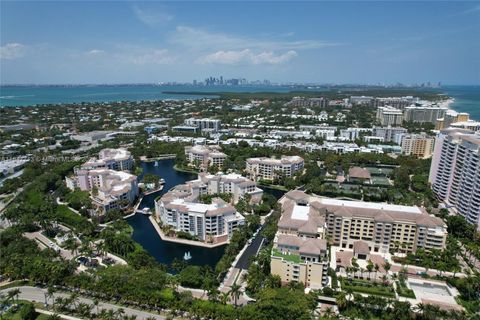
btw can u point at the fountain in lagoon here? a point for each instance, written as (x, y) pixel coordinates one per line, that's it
(145, 234)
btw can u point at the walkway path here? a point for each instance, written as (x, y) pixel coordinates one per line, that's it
(44, 243)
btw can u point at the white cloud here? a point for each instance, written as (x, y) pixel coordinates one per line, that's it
(152, 18)
(203, 39)
(12, 51)
(95, 52)
(246, 56)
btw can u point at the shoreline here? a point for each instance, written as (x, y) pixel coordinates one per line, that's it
(176, 168)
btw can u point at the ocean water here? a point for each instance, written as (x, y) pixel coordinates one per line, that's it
(467, 98)
(32, 95)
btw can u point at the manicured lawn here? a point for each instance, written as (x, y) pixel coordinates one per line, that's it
(367, 287)
(289, 257)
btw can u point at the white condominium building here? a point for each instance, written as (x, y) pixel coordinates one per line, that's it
(232, 183)
(204, 123)
(389, 134)
(115, 159)
(455, 172)
(388, 116)
(424, 114)
(212, 223)
(307, 102)
(352, 134)
(420, 145)
(269, 168)
(205, 156)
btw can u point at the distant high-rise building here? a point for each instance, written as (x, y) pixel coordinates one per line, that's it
(455, 172)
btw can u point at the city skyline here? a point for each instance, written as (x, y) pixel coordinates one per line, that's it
(135, 42)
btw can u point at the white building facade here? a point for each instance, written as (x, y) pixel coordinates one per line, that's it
(268, 168)
(455, 172)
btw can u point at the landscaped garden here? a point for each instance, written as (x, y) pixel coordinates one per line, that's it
(368, 287)
(403, 290)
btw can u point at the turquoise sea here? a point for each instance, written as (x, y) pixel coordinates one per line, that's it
(467, 98)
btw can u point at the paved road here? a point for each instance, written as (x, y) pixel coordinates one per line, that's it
(38, 295)
(244, 260)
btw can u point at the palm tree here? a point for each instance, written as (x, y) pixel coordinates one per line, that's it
(213, 294)
(328, 313)
(235, 293)
(73, 299)
(370, 269)
(120, 312)
(376, 267)
(341, 300)
(224, 297)
(14, 294)
(54, 317)
(361, 272)
(386, 267)
(420, 308)
(84, 309)
(95, 304)
(50, 295)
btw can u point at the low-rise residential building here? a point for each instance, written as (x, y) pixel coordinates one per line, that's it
(115, 159)
(269, 168)
(92, 136)
(105, 177)
(109, 189)
(205, 156)
(204, 123)
(388, 116)
(232, 183)
(185, 128)
(420, 145)
(470, 125)
(451, 116)
(389, 134)
(352, 134)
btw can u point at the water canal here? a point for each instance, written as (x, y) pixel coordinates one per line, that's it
(145, 234)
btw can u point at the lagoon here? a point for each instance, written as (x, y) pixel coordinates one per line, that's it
(145, 234)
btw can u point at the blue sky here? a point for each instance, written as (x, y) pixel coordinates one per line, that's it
(322, 42)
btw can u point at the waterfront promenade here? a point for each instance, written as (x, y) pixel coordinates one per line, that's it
(183, 241)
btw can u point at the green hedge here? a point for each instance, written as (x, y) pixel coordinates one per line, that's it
(369, 288)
